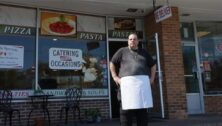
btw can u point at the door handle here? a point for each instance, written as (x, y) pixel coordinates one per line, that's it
(189, 75)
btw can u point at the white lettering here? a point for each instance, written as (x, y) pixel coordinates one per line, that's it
(17, 30)
(91, 36)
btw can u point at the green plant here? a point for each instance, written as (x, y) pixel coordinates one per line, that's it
(92, 114)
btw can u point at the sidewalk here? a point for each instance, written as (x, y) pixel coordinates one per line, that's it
(199, 120)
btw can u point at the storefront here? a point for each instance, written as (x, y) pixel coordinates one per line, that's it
(49, 51)
(42, 55)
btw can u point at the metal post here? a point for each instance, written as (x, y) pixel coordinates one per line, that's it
(160, 78)
(37, 47)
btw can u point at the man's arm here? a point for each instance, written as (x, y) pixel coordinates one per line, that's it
(153, 74)
(115, 77)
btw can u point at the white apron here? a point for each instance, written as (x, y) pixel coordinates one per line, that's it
(136, 92)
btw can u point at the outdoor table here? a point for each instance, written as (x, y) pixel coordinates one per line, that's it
(39, 101)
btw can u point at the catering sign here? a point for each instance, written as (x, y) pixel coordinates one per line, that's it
(162, 13)
(66, 59)
(11, 56)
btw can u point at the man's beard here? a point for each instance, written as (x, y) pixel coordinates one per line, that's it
(133, 47)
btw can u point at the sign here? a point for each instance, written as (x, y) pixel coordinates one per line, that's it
(17, 30)
(124, 24)
(91, 36)
(11, 56)
(58, 24)
(94, 92)
(162, 13)
(124, 34)
(66, 59)
(18, 94)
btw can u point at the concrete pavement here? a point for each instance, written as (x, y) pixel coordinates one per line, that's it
(198, 120)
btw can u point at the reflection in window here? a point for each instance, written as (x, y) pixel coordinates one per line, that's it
(18, 78)
(91, 74)
(190, 69)
(210, 47)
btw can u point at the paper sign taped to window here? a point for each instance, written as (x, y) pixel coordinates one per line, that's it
(63, 58)
(11, 56)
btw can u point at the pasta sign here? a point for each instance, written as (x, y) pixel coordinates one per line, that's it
(66, 59)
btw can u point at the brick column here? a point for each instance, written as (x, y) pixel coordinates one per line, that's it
(174, 88)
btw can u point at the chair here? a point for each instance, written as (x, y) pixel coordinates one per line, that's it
(73, 96)
(6, 108)
(39, 102)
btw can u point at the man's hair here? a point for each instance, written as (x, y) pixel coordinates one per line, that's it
(133, 33)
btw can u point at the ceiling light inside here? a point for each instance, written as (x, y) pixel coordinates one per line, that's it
(202, 33)
(54, 39)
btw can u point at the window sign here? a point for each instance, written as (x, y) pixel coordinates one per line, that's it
(11, 56)
(58, 24)
(61, 93)
(124, 24)
(17, 30)
(120, 28)
(62, 58)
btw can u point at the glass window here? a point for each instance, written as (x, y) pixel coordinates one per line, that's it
(187, 31)
(55, 72)
(210, 48)
(11, 76)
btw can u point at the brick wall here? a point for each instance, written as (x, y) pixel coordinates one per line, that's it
(171, 62)
(213, 104)
(54, 110)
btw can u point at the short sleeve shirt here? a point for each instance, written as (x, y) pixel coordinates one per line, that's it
(132, 62)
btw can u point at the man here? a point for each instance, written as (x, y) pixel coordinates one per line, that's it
(134, 65)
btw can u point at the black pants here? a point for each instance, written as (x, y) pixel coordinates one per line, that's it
(126, 117)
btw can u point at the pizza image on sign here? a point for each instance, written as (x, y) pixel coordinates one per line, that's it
(58, 24)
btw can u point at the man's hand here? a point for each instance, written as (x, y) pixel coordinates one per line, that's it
(151, 82)
(114, 74)
(117, 80)
(153, 74)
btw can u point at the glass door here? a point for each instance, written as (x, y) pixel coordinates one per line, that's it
(191, 79)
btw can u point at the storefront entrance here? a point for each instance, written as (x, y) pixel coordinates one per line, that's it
(194, 102)
(113, 47)
(151, 46)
